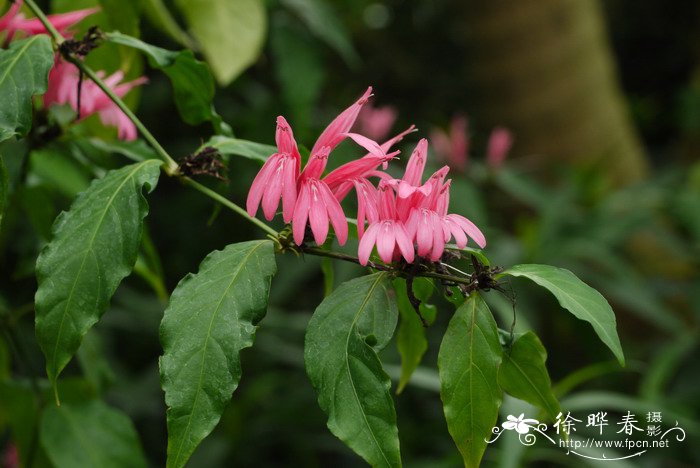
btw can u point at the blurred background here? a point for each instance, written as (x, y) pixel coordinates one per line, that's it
(572, 128)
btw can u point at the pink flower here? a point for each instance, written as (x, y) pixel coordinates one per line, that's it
(305, 197)
(405, 217)
(376, 122)
(342, 179)
(453, 147)
(387, 232)
(10, 459)
(278, 177)
(63, 89)
(13, 21)
(455, 225)
(500, 143)
(421, 211)
(317, 203)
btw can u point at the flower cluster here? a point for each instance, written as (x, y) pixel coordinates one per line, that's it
(64, 78)
(405, 217)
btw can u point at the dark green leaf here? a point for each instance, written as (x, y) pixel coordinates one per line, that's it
(342, 340)
(411, 340)
(322, 21)
(468, 363)
(94, 247)
(192, 82)
(237, 147)
(59, 170)
(230, 34)
(523, 374)
(24, 71)
(95, 148)
(212, 316)
(467, 251)
(90, 434)
(578, 298)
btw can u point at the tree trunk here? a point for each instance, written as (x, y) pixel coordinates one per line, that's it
(545, 69)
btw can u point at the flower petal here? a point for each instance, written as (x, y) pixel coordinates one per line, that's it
(335, 213)
(470, 228)
(318, 215)
(273, 191)
(404, 243)
(385, 241)
(367, 243)
(333, 134)
(370, 145)
(416, 163)
(301, 213)
(260, 184)
(289, 190)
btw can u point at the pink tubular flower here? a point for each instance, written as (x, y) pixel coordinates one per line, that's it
(13, 21)
(342, 179)
(376, 122)
(455, 225)
(306, 198)
(500, 143)
(453, 147)
(63, 89)
(405, 217)
(10, 459)
(387, 233)
(421, 210)
(278, 177)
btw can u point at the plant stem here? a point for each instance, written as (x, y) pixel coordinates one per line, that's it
(383, 267)
(228, 204)
(341, 256)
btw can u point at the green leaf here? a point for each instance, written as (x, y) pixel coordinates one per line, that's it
(237, 147)
(478, 253)
(24, 72)
(90, 434)
(523, 374)
(4, 188)
(94, 247)
(468, 363)
(158, 14)
(324, 23)
(411, 340)
(578, 298)
(342, 340)
(59, 170)
(230, 34)
(192, 82)
(212, 316)
(98, 150)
